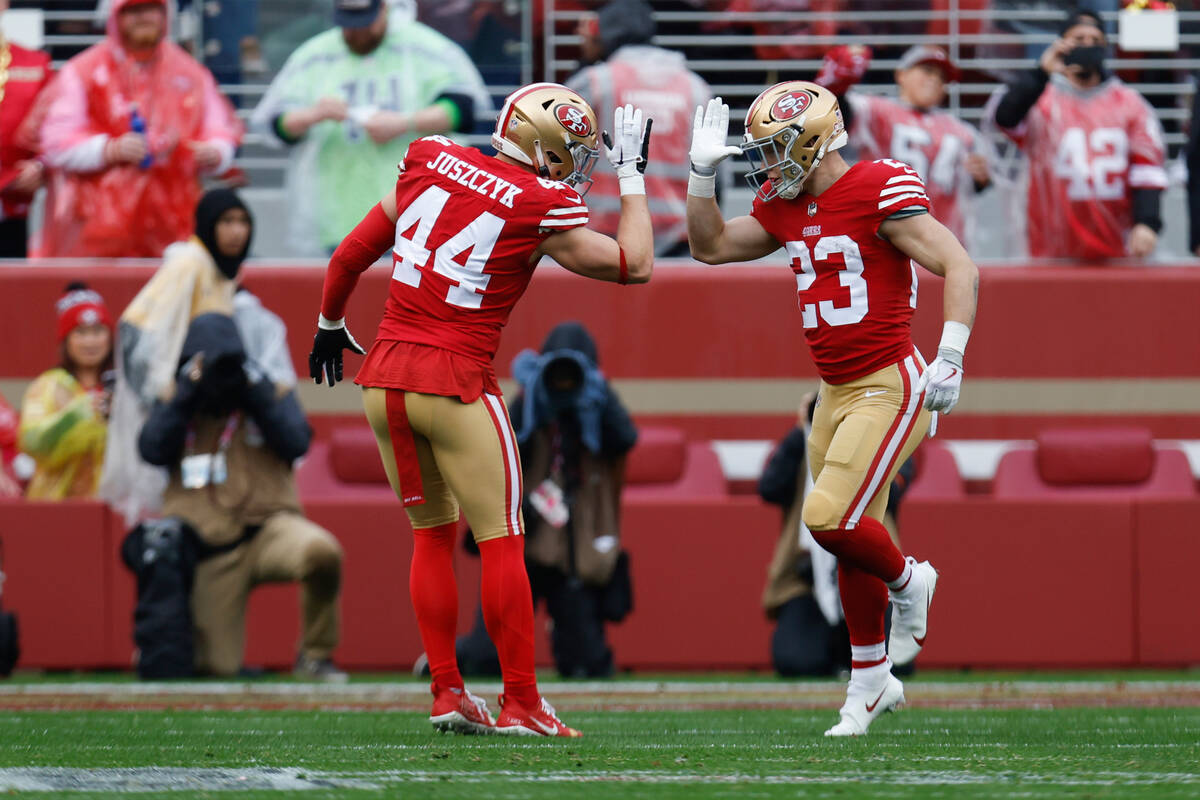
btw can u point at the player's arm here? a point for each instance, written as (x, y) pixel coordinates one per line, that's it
(927, 242)
(711, 238)
(627, 259)
(630, 257)
(361, 248)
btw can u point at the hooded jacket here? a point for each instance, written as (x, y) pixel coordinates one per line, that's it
(579, 442)
(269, 431)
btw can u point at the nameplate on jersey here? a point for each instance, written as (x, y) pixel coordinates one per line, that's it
(474, 178)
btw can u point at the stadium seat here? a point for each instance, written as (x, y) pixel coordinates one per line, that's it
(1108, 463)
(937, 475)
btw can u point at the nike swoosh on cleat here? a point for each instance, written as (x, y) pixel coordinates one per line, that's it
(920, 640)
(871, 706)
(549, 731)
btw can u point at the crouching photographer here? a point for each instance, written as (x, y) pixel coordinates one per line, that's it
(228, 437)
(573, 433)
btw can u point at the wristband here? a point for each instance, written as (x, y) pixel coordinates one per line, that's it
(702, 185)
(623, 277)
(326, 324)
(632, 184)
(954, 337)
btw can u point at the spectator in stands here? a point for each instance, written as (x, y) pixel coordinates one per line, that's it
(64, 414)
(948, 154)
(197, 276)
(801, 593)
(23, 75)
(635, 71)
(228, 437)
(352, 100)
(10, 485)
(1193, 179)
(133, 123)
(1095, 150)
(573, 434)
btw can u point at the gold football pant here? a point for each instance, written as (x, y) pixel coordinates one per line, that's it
(862, 432)
(440, 453)
(288, 548)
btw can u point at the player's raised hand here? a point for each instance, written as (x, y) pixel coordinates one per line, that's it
(325, 360)
(710, 130)
(942, 381)
(628, 148)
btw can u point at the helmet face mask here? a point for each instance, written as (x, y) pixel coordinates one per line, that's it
(551, 129)
(789, 129)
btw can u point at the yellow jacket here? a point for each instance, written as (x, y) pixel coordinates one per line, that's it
(62, 432)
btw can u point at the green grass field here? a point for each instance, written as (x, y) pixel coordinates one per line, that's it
(995, 738)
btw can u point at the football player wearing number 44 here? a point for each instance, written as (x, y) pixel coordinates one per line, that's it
(466, 232)
(850, 232)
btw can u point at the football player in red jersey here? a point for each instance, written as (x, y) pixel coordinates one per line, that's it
(466, 231)
(849, 232)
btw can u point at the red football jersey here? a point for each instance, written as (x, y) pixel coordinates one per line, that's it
(934, 143)
(467, 225)
(1086, 151)
(856, 291)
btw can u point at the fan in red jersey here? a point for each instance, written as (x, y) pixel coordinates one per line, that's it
(466, 231)
(1095, 151)
(852, 234)
(949, 155)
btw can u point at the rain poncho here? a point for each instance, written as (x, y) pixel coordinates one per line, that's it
(63, 433)
(127, 210)
(152, 330)
(337, 173)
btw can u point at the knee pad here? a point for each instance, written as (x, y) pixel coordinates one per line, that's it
(821, 512)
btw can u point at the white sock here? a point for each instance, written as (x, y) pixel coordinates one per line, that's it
(904, 582)
(871, 676)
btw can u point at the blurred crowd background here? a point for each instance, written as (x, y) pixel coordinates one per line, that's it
(737, 46)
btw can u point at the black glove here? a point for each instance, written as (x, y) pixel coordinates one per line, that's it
(325, 360)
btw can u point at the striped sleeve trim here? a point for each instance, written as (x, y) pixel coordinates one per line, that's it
(562, 222)
(919, 196)
(903, 178)
(559, 212)
(904, 187)
(1147, 176)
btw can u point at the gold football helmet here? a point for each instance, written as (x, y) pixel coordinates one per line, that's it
(552, 129)
(790, 127)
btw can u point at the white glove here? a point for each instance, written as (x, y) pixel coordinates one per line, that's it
(627, 153)
(710, 130)
(942, 380)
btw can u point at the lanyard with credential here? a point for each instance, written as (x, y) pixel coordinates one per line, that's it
(226, 439)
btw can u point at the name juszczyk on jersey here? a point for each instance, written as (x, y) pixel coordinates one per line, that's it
(474, 178)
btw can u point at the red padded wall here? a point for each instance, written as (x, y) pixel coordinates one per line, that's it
(1167, 557)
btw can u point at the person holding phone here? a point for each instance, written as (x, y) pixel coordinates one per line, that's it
(1095, 150)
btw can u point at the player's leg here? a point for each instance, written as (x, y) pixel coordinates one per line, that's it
(400, 422)
(477, 452)
(859, 430)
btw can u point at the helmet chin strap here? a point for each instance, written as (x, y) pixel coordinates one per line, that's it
(540, 159)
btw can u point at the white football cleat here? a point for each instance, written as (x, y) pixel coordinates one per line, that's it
(866, 702)
(910, 613)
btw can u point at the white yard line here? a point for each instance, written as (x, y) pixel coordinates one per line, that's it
(167, 779)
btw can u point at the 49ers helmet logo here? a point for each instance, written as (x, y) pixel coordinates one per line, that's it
(790, 105)
(573, 119)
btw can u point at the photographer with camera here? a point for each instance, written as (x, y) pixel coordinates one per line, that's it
(228, 437)
(1095, 150)
(64, 414)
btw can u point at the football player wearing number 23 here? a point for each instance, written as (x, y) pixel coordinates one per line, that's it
(466, 231)
(852, 234)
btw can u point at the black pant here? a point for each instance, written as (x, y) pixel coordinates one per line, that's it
(13, 234)
(577, 638)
